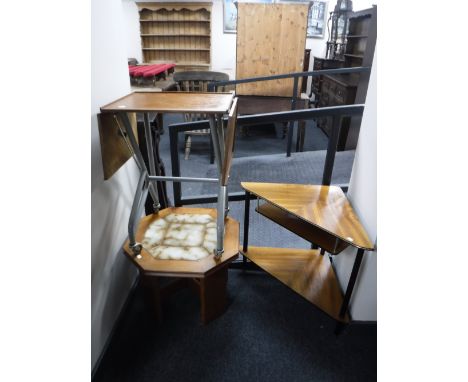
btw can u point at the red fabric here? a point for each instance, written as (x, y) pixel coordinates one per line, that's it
(148, 70)
(159, 68)
(132, 69)
(143, 69)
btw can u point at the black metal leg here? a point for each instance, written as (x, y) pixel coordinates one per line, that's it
(331, 151)
(339, 328)
(352, 281)
(176, 186)
(290, 138)
(322, 252)
(211, 151)
(292, 123)
(246, 221)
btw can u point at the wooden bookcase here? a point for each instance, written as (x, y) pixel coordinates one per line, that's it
(176, 32)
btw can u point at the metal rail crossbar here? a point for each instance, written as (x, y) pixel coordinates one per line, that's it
(336, 112)
(212, 86)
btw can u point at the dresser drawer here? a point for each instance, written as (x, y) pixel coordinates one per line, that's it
(325, 85)
(324, 99)
(340, 94)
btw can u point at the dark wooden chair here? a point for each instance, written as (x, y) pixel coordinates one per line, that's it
(196, 81)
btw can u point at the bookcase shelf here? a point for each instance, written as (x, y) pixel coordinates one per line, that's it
(176, 32)
(175, 35)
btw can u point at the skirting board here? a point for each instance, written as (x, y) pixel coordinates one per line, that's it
(124, 309)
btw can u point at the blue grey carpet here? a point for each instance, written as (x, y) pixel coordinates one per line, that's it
(267, 334)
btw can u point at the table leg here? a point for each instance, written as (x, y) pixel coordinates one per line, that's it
(221, 206)
(141, 194)
(213, 294)
(152, 292)
(160, 170)
(156, 128)
(152, 166)
(352, 281)
(246, 221)
(216, 143)
(136, 150)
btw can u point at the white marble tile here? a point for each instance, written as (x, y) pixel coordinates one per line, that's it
(181, 237)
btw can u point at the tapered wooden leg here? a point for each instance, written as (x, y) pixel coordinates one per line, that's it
(213, 295)
(153, 295)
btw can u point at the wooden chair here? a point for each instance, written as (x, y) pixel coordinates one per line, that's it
(196, 81)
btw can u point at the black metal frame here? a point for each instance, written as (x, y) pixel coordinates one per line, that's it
(212, 86)
(337, 112)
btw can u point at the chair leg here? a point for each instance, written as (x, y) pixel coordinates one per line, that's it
(188, 145)
(285, 130)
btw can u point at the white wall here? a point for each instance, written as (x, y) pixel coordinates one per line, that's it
(131, 28)
(111, 273)
(362, 194)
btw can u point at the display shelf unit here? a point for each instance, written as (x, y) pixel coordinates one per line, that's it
(321, 215)
(176, 32)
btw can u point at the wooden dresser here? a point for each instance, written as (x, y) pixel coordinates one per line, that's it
(337, 90)
(342, 89)
(320, 64)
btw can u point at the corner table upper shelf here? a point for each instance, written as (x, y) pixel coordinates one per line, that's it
(322, 210)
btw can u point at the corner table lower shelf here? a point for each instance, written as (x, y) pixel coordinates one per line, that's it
(321, 215)
(306, 272)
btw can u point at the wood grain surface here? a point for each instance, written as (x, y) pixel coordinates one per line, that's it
(306, 272)
(270, 40)
(114, 151)
(173, 102)
(300, 227)
(185, 268)
(323, 206)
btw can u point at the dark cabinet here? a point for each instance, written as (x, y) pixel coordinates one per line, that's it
(336, 90)
(342, 89)
(320, 64)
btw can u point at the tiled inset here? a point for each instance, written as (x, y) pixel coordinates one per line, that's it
(181, 237)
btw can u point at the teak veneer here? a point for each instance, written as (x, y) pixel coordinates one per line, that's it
(185, 268)
(303, 229)
(172, 102)
(207, 276)
(325, 207)
(306, 272)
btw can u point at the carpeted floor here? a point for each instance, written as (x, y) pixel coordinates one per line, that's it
(268, 332)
